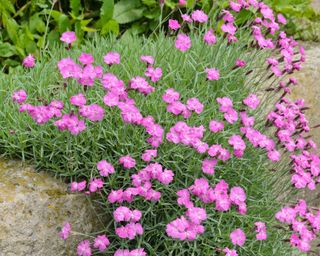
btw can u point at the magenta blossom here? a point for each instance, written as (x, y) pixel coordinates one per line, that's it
(84, 249)
(183, 42)
(210, 38)
(154, 73)
(127, 161)
(68, 37)
(238, 237)
(65, 231)
(208, 166)
(86, 58)
(230, 252)
(95, 185)
(149, 154)
(29, 61)
(174, 24)
(213, 74)
(112, 58)
(216, 126)
(199, 16)
(186, 18)
(78, 100)
(101, 242)
(105, 168)
(19, 96)
(147, 59)
(252, 101)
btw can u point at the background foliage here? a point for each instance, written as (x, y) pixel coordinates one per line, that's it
(32, 26)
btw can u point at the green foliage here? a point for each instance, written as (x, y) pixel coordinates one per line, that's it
(76, 156)
(303, 20)
(31, 26)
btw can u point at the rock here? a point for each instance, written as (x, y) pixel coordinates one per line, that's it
(309, 86)
(316, 5)
(33, 208)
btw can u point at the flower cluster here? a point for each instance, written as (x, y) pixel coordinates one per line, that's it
(304, 224)
(142, 185)
(189, 136)
(130, 230)
(178, 108)
(134, 252)
(261, 230)
(291, 124)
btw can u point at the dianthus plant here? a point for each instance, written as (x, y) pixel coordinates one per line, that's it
(173, 135)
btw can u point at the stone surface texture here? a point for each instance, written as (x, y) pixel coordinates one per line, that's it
(309, 86)
(33, 208)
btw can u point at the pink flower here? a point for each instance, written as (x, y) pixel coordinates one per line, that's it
(240, 63)
(95, 184)
(238, 237)
(252, 101)
(193, 104)
(213, 74)
(182, 2)
(237, 142)
(116, 196)
(83, 248)
(129, 231)
(29, 61)
(196, 215)
(19, 96)
(112, 58)
(93, 112)
(274, 155)
(78, 186)
(230, 252)
(186, 18)
(183, 42)
(170, 96)
(138, 252)
(101, 242)
(140, 84)
(122, 252)
(147, 59)
(208, 166)
(127, 161)
(199, 16)
(282, 19)
(154, 73)
(237, 195)
(78, 100)
(68, 37)
(210, 38)
(166, 177)
(105, 168)
(231, 116)
(174, 24)
(235, 6)
(65, 231)
(86, 58)
(261, 230)
(229, 28)
(216, 126)
(149, 154)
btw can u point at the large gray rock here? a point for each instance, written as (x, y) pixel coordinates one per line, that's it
(309, 86)
(33, 207)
